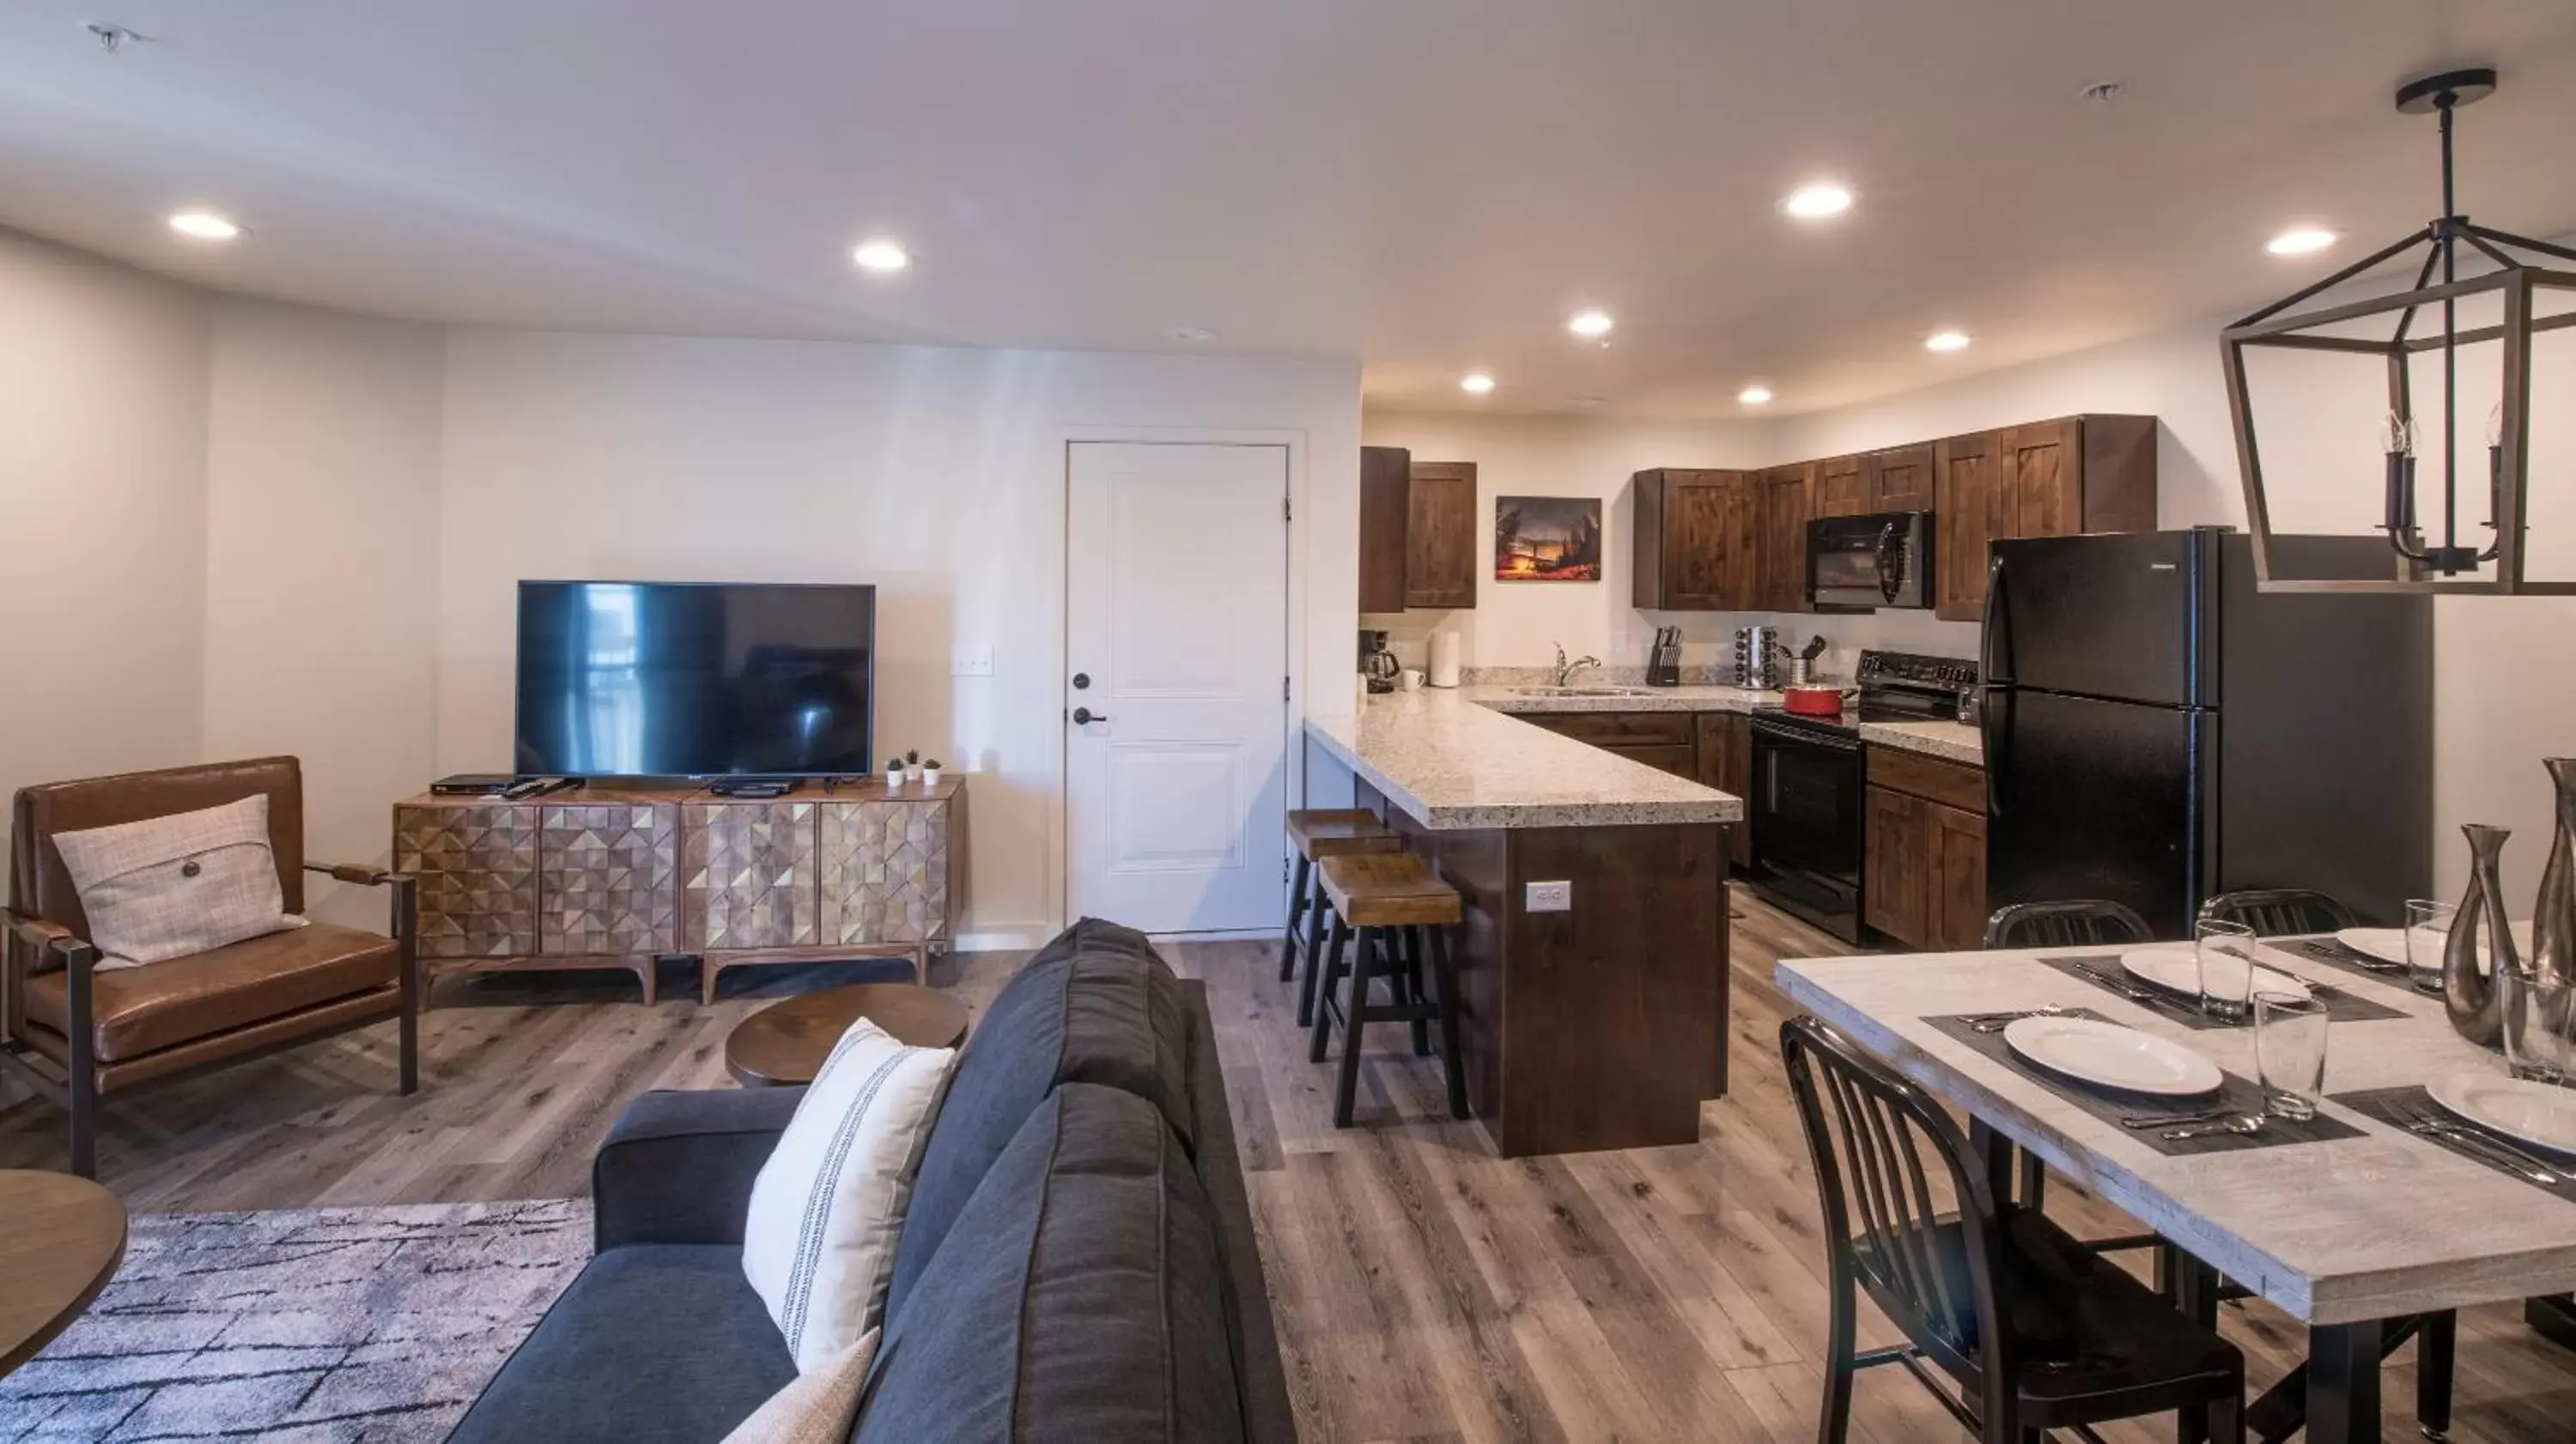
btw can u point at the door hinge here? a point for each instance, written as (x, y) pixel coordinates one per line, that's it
(1283, 688)
(1286, 511)
(1283, 869)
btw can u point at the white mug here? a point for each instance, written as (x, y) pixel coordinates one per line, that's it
(1412, 679)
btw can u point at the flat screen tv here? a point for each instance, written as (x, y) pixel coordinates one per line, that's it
(662, 679)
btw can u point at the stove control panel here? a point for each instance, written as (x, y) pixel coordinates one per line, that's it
(1916, 673)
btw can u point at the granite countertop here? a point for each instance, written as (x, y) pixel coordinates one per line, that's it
(1952, 741)
(1452, 763)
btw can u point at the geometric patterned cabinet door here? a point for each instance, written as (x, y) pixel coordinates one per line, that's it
(885, 872)
(608, 879)
(747, 876)
(477, 865)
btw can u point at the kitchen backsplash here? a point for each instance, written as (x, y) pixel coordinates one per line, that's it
(1708, 641)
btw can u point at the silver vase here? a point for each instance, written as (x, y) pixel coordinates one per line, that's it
(2474, 995)
(2553, 919)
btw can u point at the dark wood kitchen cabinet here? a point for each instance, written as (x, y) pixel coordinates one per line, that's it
(1923, 850)
(2064, 477)
(1725, 748)
(1901, 479)
(1419, 538)
(1442, 541)
(1841, 487)
(1696, 542)
(1783, 545)
(1661, 740)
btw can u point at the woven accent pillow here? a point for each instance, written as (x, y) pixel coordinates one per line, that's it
(815, 1408)
(827, 1208)
(169, 887)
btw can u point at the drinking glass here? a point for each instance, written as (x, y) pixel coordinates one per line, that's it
(2224, 952)
(2535, 1024)
(2290, 1053)
(2428, 929)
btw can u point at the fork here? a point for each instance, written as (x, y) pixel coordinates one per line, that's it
(1997, 1022)
(2494, 1149)
(2125, 990)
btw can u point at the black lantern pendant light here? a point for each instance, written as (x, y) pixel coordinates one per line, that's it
(2440, 561)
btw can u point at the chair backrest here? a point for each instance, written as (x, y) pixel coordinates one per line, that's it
(39, 884)
(2278, 912)
(2084, 923)
(1884, 1153)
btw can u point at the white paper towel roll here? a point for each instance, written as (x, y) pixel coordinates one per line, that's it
(1444, 659)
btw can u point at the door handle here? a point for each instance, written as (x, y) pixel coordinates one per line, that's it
(1084, 715)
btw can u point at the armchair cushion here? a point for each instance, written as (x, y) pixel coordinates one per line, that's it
(39, 884)
(169, 887)
(135, 1011)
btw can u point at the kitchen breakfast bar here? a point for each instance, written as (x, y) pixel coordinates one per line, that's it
(1592, 961)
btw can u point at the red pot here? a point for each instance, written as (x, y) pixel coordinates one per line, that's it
(1813, 701)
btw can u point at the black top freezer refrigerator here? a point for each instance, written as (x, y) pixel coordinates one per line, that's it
(2157, 732)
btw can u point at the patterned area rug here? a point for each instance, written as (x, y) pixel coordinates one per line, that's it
(303, 1326)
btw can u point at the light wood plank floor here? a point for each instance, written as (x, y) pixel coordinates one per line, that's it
(1425, 1290)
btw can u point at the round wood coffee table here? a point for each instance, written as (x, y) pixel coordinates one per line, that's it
(61, 1239)
(786, 1042)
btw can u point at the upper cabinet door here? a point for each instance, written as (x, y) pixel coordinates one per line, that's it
(1784, 539)
(1697, 542)
(1442, 541)
(1841, 488)
(1902, 479)
(1386, 489)
(2041, 473)
(1961, 503)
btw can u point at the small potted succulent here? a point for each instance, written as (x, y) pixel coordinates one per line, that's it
(930, 773)
(894, 773)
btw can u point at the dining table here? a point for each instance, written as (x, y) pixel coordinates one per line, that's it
(2369, 1225)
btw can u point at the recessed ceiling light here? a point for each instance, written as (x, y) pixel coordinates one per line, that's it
(1595, 322)
(204, 226)
(1946, 341)
(880, 255)
(1191, 334)
(1475, 383)
(2301, 241)
(1754, 395)
(1815, 202)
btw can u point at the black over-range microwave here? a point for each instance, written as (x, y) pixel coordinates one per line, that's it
(1880, 560)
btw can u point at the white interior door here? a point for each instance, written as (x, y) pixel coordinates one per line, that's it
(1176, 648)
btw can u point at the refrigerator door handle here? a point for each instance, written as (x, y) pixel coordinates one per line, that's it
(1997, 699)
(1989, 625)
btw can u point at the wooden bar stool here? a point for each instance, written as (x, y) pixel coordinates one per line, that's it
(1389, 913)
(1320, 832)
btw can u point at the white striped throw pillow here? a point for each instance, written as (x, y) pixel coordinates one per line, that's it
(827, 1208)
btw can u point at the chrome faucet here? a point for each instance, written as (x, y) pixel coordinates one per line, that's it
(1565, 670)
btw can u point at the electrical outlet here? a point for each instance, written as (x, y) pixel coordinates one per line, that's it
(972, 662)
(1548, 897)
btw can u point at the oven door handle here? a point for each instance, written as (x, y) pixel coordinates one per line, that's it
(1798, 736)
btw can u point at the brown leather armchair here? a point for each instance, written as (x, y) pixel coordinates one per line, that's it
(81, 1033)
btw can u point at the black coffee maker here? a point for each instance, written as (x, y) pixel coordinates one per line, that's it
(1376, 662)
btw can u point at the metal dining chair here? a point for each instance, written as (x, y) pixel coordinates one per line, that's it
(2035, 1331)
(2084, 923)
(2280, 912)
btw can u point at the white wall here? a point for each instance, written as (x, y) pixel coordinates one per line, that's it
(1514, 623)
(321, 553)
(936, 474)
(103, 374)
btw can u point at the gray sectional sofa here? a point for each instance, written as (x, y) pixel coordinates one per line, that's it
(1078, 1262)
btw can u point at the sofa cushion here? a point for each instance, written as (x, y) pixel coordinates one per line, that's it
(655, 1341)
(143, 1010)
(1082, 1296)
(1096, 1005)
(166, 887)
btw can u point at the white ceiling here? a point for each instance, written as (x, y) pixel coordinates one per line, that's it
(1429, 185)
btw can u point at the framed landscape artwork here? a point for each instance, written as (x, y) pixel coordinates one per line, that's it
(1547, 539)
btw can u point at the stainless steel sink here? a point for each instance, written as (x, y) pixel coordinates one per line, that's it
(1582, 692)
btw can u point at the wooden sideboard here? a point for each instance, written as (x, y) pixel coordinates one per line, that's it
(620, 876)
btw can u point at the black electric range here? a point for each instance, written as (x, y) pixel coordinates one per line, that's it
(1806, 811)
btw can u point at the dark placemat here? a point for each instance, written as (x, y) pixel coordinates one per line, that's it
(2342, 1004)
(2400, 1107)
(2236, 1095)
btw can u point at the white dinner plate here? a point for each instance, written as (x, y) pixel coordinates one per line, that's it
(2176, 970)
(2541, 1113)
(2389, 944)
(2091, 1051)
